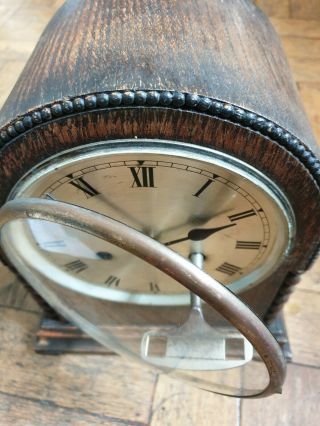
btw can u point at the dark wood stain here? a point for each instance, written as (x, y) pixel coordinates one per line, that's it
(222, 49)
(226, 50)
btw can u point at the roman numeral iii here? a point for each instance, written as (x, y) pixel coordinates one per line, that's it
(112, 281)
(76, 266)
(250, 245)
(228, 268)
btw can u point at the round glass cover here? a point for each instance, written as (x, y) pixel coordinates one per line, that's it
(202, 342)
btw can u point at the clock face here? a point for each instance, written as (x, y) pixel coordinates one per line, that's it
(192, 199)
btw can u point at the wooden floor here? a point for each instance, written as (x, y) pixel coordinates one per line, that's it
(107, 390)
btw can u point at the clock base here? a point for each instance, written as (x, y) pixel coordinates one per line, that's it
(56, 336)
(279, 331)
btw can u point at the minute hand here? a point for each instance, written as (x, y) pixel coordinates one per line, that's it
(199, 234)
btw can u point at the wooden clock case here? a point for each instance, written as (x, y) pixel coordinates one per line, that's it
(204, 72)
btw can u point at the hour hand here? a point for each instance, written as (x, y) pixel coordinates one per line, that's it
(199, 234)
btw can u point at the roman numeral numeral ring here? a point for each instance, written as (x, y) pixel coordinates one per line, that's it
(228, 268)
(84, 186)
(250, 245)
(76, 266)
(242, 215)
(203, 188)
(154, 288)
(143, 177)
(112, 281)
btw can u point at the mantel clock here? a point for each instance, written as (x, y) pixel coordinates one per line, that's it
(160, 185)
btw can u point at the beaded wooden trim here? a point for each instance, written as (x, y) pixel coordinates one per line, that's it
(179, 100)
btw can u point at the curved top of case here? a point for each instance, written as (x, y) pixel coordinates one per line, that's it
(226, 50)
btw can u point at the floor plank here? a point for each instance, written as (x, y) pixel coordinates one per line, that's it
(297, 27)
(310, 94)
(305, 70)
(11, 70)
(178, 404)
(17, 40)
(275, 8)
(7, 11)
(301, 47)
(14, 294)
(297, 406)
(309, 9)
(27, 412)
(106, 386)
(302, 315)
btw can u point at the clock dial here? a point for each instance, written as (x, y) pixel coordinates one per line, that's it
(190, 199)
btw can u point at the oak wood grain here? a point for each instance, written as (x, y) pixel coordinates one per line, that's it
(84, 49)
